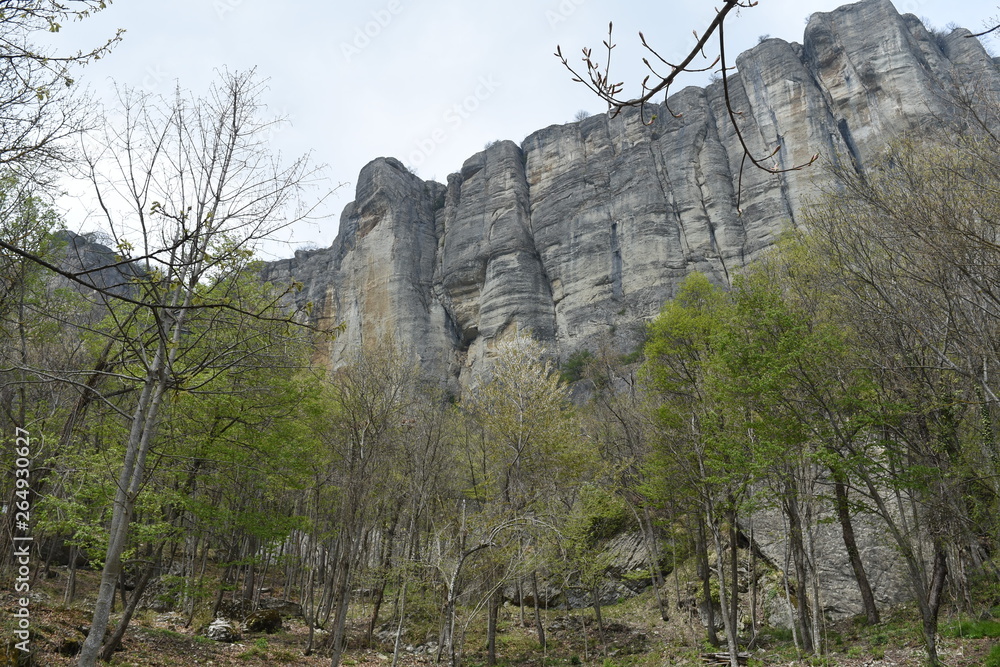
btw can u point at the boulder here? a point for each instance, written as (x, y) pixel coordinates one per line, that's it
(222, 630)
(263, 620)
(286, 608)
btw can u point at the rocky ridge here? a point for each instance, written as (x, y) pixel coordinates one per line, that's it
(581, 232)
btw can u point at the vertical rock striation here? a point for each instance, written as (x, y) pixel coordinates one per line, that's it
(584, 230)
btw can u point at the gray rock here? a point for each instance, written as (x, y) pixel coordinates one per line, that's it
(283, 607)
(263, 620)
(222, 630)
(629, 560)
(95, 263)
(839, 594)
(585, 229)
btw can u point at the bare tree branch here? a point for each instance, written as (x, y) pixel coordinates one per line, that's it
(598, 80)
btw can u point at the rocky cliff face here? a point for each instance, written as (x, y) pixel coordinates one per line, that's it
(582, 231)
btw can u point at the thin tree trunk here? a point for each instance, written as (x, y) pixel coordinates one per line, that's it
(71, 581)
(250, 574)
(399, 626)
(705, 570)
(731, 641)
(649, 538)
(520, 602)
(853, 554)
(930, 611)
(200, 584)
(387, 544)
(222, 592)
(595, 596)
(801, 574)
(540, 629)
(491, 628)
(133, 603)
(817, 618)
(309, 610)
(129, 482)
(753, 583)
(343, 595)
(733, 568)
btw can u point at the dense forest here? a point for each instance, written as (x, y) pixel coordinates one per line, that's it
(176, 445)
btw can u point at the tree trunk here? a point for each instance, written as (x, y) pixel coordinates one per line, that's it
(222, 591)
(343, 596)
(801, 569)
(399, 626)
(250, 574)
(520, 602)
(540, 629)
(734, 562)
(930, 610)
(649, 536)
(129, 483)
(705, 570)
(386, 559)
(309, 609)
(140, 588)
(491, 628)
(731, 640)
(596, 597)
(71, 581)
(853, 555)
(753, 583)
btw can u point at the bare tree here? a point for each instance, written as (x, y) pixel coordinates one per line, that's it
(190, 187)
(370, 397)
(38, 105)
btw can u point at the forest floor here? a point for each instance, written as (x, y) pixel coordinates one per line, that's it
(634, 636)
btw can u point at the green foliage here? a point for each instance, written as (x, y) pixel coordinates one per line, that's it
(633, 357)
(575, 366)
(528, 423)
(993, 657)
(603, 515)
(971, 629)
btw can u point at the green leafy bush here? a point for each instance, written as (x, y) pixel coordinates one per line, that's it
(575, 365)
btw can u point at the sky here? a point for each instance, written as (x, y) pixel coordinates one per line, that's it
(429, 82)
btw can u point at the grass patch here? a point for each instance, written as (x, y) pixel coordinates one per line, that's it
(972, 629)
(993, 658)
(284, 657)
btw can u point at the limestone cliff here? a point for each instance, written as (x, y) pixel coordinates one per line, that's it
(583, 230)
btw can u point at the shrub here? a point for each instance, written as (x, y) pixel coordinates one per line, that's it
(575, 365)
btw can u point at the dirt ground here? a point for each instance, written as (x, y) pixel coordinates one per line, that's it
(634, 636)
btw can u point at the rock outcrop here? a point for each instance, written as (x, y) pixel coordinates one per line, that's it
(582, 231)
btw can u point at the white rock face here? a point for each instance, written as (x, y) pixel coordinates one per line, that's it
(584, 230)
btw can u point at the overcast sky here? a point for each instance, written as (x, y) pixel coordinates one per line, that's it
(429, 82)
